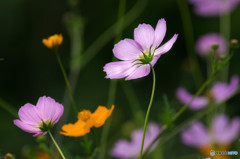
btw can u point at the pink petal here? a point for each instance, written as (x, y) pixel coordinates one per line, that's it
(196, 135)
(49, 109)
(144, 35)
(39, 134)
(185, 97)
(26, 127)
(155, 59)
(127, 49)
(160, 32)
(205, 42)
(119, 69)
(166, 47)
(222, 91)
(29, 114)
(225, 131)
(140, 71)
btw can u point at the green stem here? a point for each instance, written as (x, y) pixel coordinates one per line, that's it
(67, 83)
(189, 40)
(55, 143)
(133, 102)
(183, 109)
(148, 111)
(8, 108)
(113, 83)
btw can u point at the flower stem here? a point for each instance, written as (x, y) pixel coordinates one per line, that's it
(67, 82)
(183, 109)
(148, 111)
(55, 143)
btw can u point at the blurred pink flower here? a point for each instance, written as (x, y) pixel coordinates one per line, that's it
(137, 54)
(130, 149)
(219, 93)
(40, 118)
(204, 44)
(212, 8)
(222, 132)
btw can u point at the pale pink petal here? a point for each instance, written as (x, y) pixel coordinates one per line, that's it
(39, 134)
(166, 47)
(29, 114)
(26, 127)
(160, 32)
(124, 149)
(49, 109)
(144, 35)
(225, 132)
(127, 49)
(119, 69)
(222, 91)
(155, 59)
(205, 42)
(196, 135)
(130, 149)
(185, 97)
(140, 71)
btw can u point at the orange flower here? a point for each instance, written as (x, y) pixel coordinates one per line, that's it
(87, 120)
(53, 41)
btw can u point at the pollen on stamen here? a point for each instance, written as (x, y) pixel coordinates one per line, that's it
(84, 115)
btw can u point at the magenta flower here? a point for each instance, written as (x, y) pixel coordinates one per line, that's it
(222, 132)
(219, 93)
(211, 8)
(130, 149)
(137, 54)
(40, 118)
(204, 44)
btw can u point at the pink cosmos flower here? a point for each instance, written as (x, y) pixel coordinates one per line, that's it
(219, 93)
(40, 118)
(204, 44)
(222, 132)
(137, 54)
(130, 149)
(212, 8)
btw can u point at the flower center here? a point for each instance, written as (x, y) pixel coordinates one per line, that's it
(146, 57)
(45, 125)
(84, 115)
(209, 95)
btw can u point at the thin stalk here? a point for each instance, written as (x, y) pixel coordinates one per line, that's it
(67, 83)
(189, 40)
(202, 88)
(113, 83)
(55, 143)
(133, 102)
(183, 109)
(225, 31)
(148, 111)
(8, 108)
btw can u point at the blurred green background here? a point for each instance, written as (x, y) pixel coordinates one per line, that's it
(29, 70)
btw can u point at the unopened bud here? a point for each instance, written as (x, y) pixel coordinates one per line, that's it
(234, 41)
(215, 47)
(8, 156)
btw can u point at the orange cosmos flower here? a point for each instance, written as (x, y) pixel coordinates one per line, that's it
(87, 120)
(53, 41)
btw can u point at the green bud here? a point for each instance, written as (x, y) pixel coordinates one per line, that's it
(215, 47)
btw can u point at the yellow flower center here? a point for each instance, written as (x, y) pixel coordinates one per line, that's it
(146, 57)
(209, 94)
(84, 115)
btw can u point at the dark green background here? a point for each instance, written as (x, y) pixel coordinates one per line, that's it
(30, 70)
